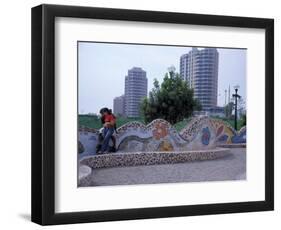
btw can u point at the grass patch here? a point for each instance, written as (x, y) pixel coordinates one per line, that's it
(93, 121)
(181, 124)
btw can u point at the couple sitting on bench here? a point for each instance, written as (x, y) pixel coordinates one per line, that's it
(106, 134)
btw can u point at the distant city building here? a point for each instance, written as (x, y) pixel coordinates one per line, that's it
(135, 91)
(216, 111)
(200, 69)
(119, 105)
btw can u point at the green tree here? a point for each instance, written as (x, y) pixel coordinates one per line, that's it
(228, 109)
(172, 100)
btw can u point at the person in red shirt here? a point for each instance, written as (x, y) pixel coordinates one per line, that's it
(109, 120)
(109, 124)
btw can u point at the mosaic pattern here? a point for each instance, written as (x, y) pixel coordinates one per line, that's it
(159, 135)
(226, 134)
(160, 130)
(189, 132)
(240, 137)
(206, 136)
(201, 133)
(151, 158)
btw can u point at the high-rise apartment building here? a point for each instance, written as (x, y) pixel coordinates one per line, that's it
(135, 91)
(119, 105)
(200, 69)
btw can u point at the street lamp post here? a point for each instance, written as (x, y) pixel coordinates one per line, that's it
(236, 96)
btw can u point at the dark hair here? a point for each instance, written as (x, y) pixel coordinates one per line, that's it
(103, 110)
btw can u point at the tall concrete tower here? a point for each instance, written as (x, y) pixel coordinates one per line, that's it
(200, 69)
(135, 91)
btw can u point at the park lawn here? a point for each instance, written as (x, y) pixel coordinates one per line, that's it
(94, 122)
(181, 124)
(89, 121)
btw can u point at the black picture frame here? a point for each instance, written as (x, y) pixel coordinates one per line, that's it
(43, 114)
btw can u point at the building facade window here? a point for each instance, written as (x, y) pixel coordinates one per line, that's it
(200, 69)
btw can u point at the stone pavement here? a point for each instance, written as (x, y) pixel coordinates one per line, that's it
(230, 167)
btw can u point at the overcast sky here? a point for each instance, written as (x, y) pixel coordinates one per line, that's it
(102, 68)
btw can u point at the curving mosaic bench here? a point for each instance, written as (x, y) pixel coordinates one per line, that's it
(201, 133)
(158, 142)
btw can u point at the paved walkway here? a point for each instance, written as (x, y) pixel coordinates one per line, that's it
(231, 167)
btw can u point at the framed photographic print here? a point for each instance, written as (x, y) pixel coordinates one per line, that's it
(145, 114)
